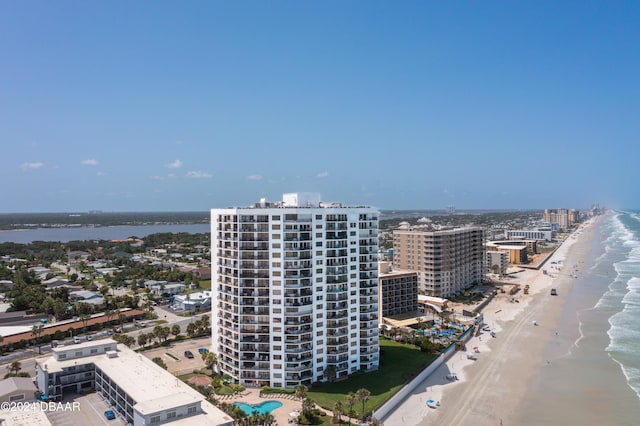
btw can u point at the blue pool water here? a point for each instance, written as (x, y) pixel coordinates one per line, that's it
(265, 407)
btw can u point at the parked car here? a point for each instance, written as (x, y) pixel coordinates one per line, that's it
(76, 339)
(110, 415)
(188, 354)
(554, 292)
(110, 332)
(117, 330)
(202, 350)
(89, 336)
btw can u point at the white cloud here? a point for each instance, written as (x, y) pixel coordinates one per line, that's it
(198, 175)
(174, 164)
(322, 175)
(89, 162)
(101, 174)
(156, 177)
(31, 166)
(254, 177)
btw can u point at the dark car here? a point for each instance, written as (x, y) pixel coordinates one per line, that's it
(110, 415)
(188, 354)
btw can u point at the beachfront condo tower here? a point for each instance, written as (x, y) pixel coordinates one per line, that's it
(448, 261)
(295, 291)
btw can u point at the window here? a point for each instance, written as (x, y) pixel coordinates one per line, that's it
(155, 419)
(94, 351)
(275, 236)
(16, 397)
(277, 366)
(62, 356)
(318, 217)
(78, 353)
(191, 409)
(171, 415)
(275, 227)
(275, 217)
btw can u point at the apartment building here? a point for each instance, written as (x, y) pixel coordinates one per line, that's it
(448, 261)
(398, 291)
(294, 291)
(140, 391)
(563, 217)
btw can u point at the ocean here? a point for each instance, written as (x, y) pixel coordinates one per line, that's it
(591, 369)
(622, 252)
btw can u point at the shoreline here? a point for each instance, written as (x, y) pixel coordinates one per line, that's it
(492, 387)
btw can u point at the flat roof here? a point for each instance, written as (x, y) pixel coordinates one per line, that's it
(149, 385)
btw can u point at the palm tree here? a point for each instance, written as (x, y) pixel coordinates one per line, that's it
(210, 359)
(337, 411)
(301, 392)
(15, 367)
(142, 339)
(363, 395)
(307, 406)
(175, 330)
(36, 331)
(350, 399)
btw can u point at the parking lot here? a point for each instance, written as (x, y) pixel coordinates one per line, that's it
(90, 412)
(182, 365)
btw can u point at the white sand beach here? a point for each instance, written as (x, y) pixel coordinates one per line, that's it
(489, 388)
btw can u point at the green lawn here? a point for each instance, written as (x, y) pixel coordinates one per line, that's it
(205, 284)
(398, 364)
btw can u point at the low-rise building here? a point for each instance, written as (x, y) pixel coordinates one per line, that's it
(17, 389)
(142, 392)
(193, 302)
(497, 262)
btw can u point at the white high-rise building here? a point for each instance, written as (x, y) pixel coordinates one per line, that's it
(295, 291)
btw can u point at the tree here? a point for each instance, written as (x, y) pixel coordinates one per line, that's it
(350, 399)
(301, 392)
(160, 362)
(338, 409)
(15, 367)
(36, 331)
(191, 329)
(210, 359)
(175, 330)
(307, 406)
(142, 339)
(363, 395)
(84, 318)
(330, 373)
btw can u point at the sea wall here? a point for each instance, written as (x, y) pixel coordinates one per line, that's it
(388, 407)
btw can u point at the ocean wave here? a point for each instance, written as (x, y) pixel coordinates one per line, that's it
(624, 296)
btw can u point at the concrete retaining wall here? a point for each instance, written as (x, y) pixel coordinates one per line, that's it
(403, 393)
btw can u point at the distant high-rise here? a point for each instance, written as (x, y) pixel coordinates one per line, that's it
(295, 291)
(563, 217)
(448, 261)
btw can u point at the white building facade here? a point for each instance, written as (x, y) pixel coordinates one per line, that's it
(295, 291)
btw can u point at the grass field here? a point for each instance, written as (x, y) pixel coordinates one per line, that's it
(399, 363)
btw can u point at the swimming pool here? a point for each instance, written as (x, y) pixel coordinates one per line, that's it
(264, 407)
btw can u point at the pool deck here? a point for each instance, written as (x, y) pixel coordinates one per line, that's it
(252, 396)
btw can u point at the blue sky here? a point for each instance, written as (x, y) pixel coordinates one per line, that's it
(175, 106)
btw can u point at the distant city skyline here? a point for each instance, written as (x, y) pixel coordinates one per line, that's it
(188, 106)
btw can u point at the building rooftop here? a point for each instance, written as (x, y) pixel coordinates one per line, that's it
(152, 387)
